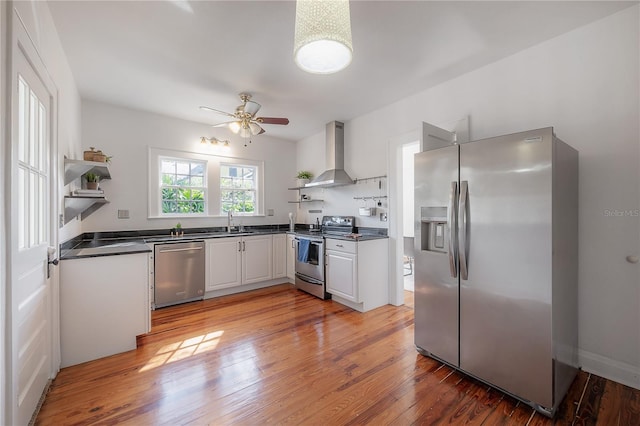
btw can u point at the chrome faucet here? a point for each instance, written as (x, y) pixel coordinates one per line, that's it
(229, 221)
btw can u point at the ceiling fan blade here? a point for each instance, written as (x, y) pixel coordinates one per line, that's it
(251, 108)
(206, 108)
(273, 120)
(225, 124)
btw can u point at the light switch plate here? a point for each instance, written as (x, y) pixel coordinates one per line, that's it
(270, 212)
(123, 214)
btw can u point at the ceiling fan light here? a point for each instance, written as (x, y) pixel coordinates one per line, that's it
(235, 126)
(244, 132)
(322, 42)
(255, 129)
(251, 107)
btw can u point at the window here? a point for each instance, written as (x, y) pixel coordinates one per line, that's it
(193, 184)
(183, 186)
(237, 188)
(33, 174)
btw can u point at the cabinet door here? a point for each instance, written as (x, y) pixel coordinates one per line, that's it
(341, 275)
(224, 257)
(279, 255)
(257, 259)
(291, 257)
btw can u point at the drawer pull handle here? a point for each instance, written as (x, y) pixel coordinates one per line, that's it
(339, 245)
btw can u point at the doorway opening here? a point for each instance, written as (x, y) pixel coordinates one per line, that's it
(408, 151)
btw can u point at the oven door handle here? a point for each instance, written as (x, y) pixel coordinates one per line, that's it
(309, 279)
(317, 243)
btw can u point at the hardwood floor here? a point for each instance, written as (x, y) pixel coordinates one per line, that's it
(278, 355)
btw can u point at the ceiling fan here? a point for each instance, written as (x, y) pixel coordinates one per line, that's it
(245, 123)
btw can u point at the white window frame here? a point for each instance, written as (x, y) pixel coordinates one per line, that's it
(254, 189)
(162, 185)
(212, 192)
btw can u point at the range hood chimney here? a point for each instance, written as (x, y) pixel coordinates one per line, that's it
(335, 174)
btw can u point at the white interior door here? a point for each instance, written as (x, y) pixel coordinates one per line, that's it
(30, 315)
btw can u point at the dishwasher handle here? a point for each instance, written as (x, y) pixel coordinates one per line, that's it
(164, 250)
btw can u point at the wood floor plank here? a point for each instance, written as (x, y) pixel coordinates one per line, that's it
(568, 408)
(590, 406)
(610, 404)
(281, 356)
(502, 412)
(630, 402)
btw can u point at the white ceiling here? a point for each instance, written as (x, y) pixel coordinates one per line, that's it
(171, 56)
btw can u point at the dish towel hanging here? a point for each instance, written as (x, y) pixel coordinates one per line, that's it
(303, 250)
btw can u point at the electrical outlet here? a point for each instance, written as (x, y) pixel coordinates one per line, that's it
(383, 217)
(270, 212)
(61, 221)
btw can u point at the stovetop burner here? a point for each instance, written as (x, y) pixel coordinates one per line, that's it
(333, 225)
(338, 225)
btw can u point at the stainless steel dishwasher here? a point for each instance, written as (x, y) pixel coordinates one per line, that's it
(179, 273)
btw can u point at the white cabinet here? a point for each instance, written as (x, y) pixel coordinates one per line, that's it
(235, 261)
(104, 305)
(224, 262)
(357, 272)
(279, 256)
(291, 257)
(342, 275)
(257, 258)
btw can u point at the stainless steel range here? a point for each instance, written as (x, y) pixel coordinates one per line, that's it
(310, 264)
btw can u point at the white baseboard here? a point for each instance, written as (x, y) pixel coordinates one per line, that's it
(608, 368)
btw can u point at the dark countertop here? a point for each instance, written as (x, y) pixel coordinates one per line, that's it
(107, 247)
(361, 237)
(131, 242)
(363, 234)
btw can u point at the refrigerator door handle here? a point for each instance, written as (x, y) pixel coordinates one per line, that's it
(452, 229)
(462, 229)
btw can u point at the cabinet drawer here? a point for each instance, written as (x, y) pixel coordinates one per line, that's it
(341, 245)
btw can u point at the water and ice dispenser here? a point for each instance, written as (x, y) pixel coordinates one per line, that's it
(433, 228)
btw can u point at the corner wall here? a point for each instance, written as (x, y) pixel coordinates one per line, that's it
(585, 84)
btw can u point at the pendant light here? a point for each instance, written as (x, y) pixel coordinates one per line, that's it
(322, 43)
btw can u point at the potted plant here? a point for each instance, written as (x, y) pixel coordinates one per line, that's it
(177, 230)
(303, 177)
(92, 180)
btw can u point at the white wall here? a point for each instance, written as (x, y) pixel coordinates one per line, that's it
(3, 206)
(585, 83)
(126, 134)
(408, 151)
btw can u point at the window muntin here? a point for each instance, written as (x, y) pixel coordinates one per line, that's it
(238, 185)
(182, 186)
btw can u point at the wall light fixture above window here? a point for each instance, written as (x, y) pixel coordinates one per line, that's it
(214, 141)
(322, 43)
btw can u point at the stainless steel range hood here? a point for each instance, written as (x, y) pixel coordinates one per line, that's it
(335, 174)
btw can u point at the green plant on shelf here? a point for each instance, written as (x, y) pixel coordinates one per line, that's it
(92, 177)
(303, 174)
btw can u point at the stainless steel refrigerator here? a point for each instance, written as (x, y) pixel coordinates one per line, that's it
(496, 260)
